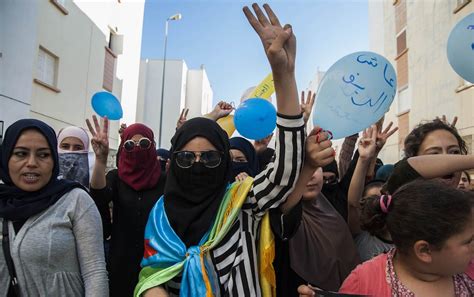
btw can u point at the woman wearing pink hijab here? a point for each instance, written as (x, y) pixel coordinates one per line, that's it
(74, 161)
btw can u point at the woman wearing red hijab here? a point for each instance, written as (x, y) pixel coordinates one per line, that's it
(134, 189)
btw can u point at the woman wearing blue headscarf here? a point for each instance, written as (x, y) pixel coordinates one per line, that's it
(51, 229)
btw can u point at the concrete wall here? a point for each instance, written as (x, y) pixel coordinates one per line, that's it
(125, 18)
(18, 21)
(80, 47)
(149, 96)
(198, 93)
(433, 86)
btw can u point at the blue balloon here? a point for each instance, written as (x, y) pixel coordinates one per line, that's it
(461, 48)
(106, 104)
(355, 93)
(255, 118)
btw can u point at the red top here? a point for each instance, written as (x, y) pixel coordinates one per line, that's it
(377, 277)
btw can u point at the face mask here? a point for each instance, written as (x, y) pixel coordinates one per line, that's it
(239, 167)
(198, 176)
(75, 167)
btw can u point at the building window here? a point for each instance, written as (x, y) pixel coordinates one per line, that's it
(400, 15)
(402, 71)
(47, 69)
(404, 102)
(401, 42)
(109, 69)
(61, 5)
(460, 4)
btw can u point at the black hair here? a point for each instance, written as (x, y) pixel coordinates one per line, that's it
(421, 210)
(468, 176)
(376, 183)
(416, 137)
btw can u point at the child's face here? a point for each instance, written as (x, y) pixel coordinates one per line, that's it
(457, 252)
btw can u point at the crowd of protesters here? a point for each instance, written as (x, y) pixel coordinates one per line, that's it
(220, 216)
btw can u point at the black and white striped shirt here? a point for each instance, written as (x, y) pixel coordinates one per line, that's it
(235, 258)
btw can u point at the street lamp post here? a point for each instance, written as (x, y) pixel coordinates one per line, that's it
(175, 17)
(1, 132)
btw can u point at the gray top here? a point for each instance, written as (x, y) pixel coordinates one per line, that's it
(370, 246)
(59, 252)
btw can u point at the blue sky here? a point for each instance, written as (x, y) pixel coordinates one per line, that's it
(216, 33)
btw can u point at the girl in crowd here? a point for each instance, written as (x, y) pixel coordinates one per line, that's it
(133, 188)
(74, 161)
(436, 137)
(201, 236)
(369, 245)
(244, 159)
(465, 181)
(322, 251)
(433, 235)
(52, 234)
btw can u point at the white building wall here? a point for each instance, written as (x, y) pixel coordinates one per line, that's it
(149, 96)
(198, 93)
(434, 88)
(125, 18)
(18, 21)
(80, 47)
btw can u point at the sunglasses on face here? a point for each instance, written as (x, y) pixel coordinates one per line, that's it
(144, 143)
(210, 159)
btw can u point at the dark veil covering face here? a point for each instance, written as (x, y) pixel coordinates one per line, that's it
(139, 168)
(251, 167)
(16, 204)
(192, 196)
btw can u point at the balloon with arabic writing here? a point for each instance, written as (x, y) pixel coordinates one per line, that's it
(354, 93)
(255, 118)
(461, 48)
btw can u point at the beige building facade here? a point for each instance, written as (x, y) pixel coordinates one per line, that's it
(413, 36)
(56, 54)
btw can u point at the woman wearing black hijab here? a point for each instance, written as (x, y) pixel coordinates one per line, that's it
(244, 159)
(201, 237)
(52, 232)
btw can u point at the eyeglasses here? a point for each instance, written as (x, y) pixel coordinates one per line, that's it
(143, 143)
(210, 159)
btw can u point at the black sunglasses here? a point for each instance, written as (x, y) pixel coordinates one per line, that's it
(143, 143)
(210, 159)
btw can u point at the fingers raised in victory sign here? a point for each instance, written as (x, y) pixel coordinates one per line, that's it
(307, 105)
(382, 136)
(367, 144)
(100, 137)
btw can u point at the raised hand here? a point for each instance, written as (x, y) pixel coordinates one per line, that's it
(100, 138)
(445, 120)
(368, 143)
(319, 151)
(122, 128)
(182, 118)
(222, 109)
(278, 42)
(382, 136)
(241, 177)
(307, 105)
